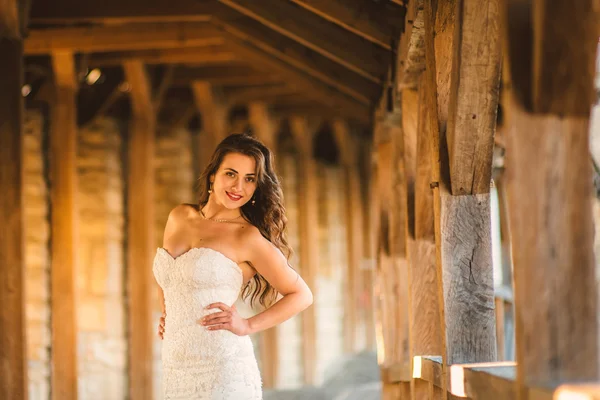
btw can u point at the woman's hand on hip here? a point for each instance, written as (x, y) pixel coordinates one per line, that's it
(227, 319)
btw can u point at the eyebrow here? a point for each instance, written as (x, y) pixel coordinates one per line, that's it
(231, 169)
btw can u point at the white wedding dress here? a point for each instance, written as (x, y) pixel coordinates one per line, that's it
(199, 363)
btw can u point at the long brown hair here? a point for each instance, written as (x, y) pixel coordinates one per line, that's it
(268, 212)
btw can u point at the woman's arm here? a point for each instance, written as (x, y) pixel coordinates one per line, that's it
(272, 265)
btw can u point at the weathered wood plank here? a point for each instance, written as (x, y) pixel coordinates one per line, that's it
(411, 49)
(234, 74)
(474, 96)
(378, 23)
(353, 205)
(140, 232)
(122, 37)
(308, 225)
(63, 168)
(13, 365)
(332, 41)
(484, 380)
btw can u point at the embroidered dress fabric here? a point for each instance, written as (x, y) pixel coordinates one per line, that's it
(200, 363)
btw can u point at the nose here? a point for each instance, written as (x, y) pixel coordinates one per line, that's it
(238, 185)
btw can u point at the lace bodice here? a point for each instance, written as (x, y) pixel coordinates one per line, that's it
(198, 363)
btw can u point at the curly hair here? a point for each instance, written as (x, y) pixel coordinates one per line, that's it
(268, 212)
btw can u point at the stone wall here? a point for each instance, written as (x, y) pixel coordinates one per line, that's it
(37, 265)
(173, 186)
(100, 274)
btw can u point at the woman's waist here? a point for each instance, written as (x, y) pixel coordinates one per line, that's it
(193, 341)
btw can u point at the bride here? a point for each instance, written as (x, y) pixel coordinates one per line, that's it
(230, 244)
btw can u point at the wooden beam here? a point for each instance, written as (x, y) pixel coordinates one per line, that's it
(247, 30)
(267, 93)
(299, 24)
(349, 156)
(411, 48)
(13, 360)
(121, 37)
(314, 89)
(482, 381)
(213, 109)
(63, 150)
(118, 11)
(208, 55)
(224, 75)
(551, 226)
(264, 128)
(474, 95)
(464, 258)
(378, 23)
(308, 225)
(140, 224)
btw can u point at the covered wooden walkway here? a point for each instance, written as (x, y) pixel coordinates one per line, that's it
(403, 129)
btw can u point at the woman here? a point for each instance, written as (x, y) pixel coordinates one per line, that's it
(231, 243)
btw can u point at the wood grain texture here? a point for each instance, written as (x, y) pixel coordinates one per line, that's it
(140, 231)
(549, 200)
(380, 23)
(411, 48)
(122, 37)
(474, 96)
(424, 213)
(63, 191)
(467, 277)
(13, 366)
(353, 52)
(308, 225)
(198, 56)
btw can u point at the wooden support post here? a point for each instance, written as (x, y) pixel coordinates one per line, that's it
(354, 216)
(549, 191)
(140, 233)
(426, 330)
(13, 366)
(213, 111)
(63, 169)
(265, 130)
(309, 247)
(461, 177)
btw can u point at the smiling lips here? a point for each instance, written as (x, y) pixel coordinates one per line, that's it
(233, 196)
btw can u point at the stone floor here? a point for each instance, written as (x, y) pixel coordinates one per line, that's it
(354, 377)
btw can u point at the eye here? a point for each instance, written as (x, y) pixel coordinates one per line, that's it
(250, 179)
(229, 173)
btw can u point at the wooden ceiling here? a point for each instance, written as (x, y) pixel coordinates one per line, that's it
(331, 57)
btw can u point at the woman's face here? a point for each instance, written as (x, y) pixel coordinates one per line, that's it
(234, 182)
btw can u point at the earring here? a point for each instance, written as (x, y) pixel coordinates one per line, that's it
(210, 188)
(253, 201)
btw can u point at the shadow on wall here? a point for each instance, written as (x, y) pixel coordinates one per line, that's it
(354, 377)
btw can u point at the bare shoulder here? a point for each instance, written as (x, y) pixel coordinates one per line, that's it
(256, 246)
(177, 216)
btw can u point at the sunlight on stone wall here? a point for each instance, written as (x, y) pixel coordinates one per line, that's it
(36, 237)
(100, 280)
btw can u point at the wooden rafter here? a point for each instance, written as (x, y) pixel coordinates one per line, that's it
(223, 75)
(378, 23)
(314, 32)
(192, 55)
(122, 37)
(267, 93)
(313, 89)
(248, 30)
